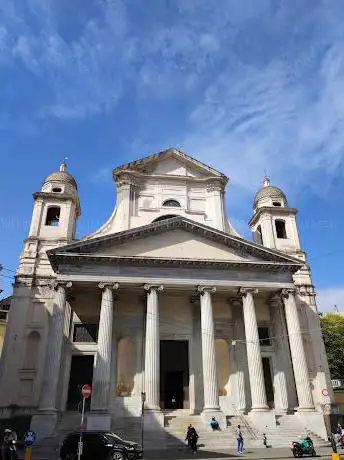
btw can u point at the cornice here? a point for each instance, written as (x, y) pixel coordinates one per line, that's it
(271, 210)
(58, 197)
(238, 245)
(74, 258)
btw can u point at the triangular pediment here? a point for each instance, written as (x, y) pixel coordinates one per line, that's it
(171, 162)
(176, 239)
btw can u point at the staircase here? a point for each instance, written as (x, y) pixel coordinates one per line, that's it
(288, 429)
(172, 435)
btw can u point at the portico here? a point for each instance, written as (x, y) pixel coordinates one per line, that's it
(148, 306)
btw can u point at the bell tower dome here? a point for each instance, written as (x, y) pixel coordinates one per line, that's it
(273, 223)
(55, 212)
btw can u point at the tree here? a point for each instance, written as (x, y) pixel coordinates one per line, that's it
(332, 325)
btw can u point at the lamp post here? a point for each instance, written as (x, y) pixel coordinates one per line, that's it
(143, 400)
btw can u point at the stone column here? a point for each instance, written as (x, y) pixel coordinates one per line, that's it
(254, 358)
(54, 351)
(211, 394)
(152, 349)
(239, 355)
(102, 369)
(297, 350)
(282, 354)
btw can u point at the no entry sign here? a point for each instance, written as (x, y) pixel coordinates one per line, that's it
(86, 391)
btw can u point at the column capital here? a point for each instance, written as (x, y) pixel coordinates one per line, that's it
(235, 301)
(202, 289)
(153, 287)
(112, 286)
(56, 284)
(243, 291)
(286, 292)
(306, 290)
(275, 300)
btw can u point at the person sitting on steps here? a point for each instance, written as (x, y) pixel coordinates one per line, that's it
(214, 424)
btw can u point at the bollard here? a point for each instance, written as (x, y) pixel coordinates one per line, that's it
(335, 456)
(28, 453)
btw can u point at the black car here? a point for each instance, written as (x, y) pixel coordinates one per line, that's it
(99, 445)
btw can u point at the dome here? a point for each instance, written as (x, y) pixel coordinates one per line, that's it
(269, 191)
(61, 176)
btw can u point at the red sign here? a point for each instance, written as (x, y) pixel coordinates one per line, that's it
(86, 391)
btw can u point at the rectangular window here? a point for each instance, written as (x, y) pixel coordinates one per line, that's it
(85, 333)
(264, 336)
(4, 309)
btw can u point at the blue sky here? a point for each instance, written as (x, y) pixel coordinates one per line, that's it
(245, 85)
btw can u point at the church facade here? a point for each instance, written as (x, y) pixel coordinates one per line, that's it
(164, 306)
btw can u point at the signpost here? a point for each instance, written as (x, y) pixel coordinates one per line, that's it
(86, 392)
(29, 440)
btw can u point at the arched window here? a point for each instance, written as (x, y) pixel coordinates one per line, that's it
(167, 216)
(57, 189)
(31, 350)
(126, 366)
(276, 203)
(171, 203)
(53, 216)
(280, 229)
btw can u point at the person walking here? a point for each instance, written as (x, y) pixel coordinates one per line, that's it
(240, 440)
(192, 437)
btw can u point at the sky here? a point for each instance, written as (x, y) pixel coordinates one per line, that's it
(247, 86)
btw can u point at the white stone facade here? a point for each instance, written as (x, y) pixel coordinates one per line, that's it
(165, 299)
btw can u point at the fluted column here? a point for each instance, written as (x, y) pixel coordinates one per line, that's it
(281, 351)
(152, 349)
(297, 350)
(254, 358)
(102, 369)
(211, 393)
(238, 350)
(54, 351)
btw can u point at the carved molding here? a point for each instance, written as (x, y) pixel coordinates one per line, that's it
(112, 286)
(150, 287)
(54, 285)
(243, 291)
(306, 290)
(285, 293)
(202, 289)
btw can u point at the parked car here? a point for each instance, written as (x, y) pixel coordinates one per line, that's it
(99, 445)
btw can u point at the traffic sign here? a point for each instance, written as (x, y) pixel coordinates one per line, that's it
(29, 438)
(86, 391)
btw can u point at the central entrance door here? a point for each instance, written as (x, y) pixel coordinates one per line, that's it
(81, 373)
(174, 374)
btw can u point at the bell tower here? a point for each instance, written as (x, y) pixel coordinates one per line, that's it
(273, 223)
(53, 223)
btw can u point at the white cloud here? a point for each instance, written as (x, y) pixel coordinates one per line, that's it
(329, 297)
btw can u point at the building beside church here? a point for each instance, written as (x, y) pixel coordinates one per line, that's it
(165, 300)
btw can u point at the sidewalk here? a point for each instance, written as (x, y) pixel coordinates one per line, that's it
(183, 454)
(257, 454)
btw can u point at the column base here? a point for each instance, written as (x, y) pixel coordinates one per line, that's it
(44, 424)
(263, 418)
(153, 419)
(98, 421)
(305, 409)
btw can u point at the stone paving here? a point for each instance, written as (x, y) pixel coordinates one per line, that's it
(184, 454)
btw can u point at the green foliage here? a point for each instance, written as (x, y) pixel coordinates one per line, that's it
(332, 326)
